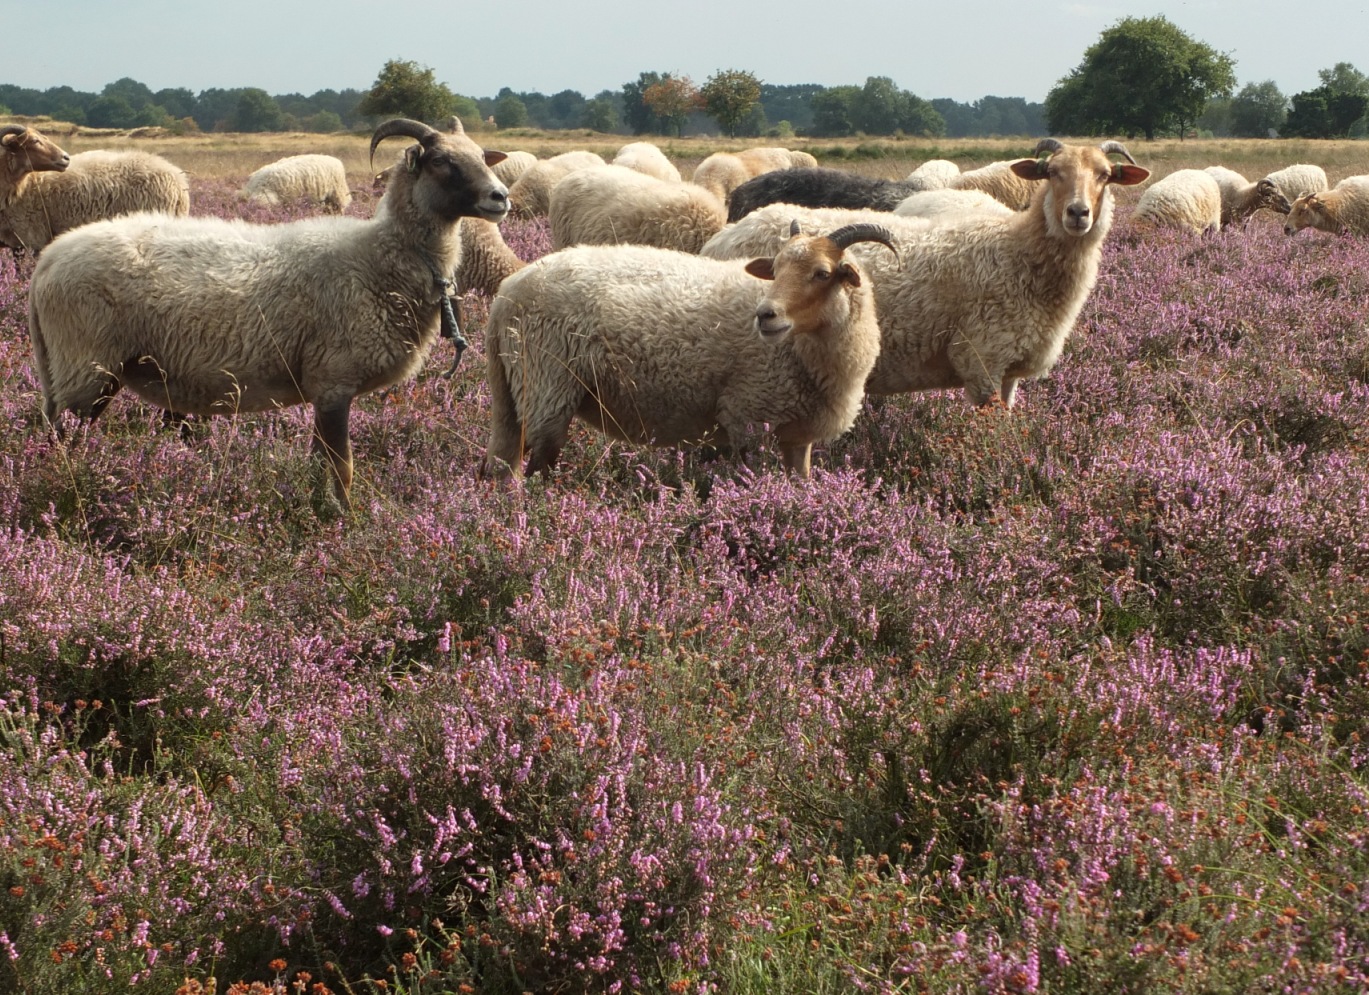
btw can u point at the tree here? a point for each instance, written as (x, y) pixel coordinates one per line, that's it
(729, 96)
(406, 89)
(1142, 75)
(1344, 78)
(256, 110)
(510, 111)
(111, 112)
(1325, 113)
(833, 115)
(638, 115)
(672, 100)
(600, 115)
(1260, 108)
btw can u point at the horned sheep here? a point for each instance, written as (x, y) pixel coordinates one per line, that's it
(316, 179)
(722, 172)
(45, 192)
(616, 205)
(647, 158)
(530, 196)
(1344, 209)
(210, 316)
(1187, 199)
(984, 302)
(655, 346)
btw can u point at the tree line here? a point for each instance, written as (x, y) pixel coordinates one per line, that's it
(1144, 76)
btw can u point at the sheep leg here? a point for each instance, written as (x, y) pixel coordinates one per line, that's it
(545, 444)
(333, 445)
(88, 400)
(1008, 392)
(797, 458)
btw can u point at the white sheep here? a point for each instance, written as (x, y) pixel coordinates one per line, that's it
(1188, 199)
(615, 205)
(210, 316)
(511, 170)
(1299, 180)
(655, 346)
(764, 230)
(1344, 209)
(92, 187)
(1241, 198)
(317, 179)
(530, 196)
(946, 204)
(984, 302)
(649, 159)
(722, 172)
(1000, 181)
(934, 174)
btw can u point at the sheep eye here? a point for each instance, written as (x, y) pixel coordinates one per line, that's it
(822, 274)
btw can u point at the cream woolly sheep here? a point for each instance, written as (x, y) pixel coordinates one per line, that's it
(655, 346)
(1189, 199)
(94, 186)
(1241, 198)
(616, 205)
(722, 172)
(1344, 209)
(512, 169)
(934, 174)
(1000, 181)
(942, 205)
(530, 196)
(23, 152)
(1299, 180)
(208, 316)
(984, 302)
(317, 179)
(649, 159)
(762, 232)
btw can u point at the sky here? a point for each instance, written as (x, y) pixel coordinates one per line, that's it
(962, 49)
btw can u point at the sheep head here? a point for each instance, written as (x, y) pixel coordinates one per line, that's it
(28, 151)
(1078, 177)
(446, 175)
(1311, 211)
(809, 274)
(1272, 197)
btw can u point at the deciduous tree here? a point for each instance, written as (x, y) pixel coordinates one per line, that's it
(729, 96)
(672, 100)
(406, 89)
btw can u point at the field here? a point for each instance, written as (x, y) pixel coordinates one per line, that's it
(1074, 699)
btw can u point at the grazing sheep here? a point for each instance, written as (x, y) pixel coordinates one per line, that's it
(530, 196)
(946, 204)
(616, 205)
(649, 159)
(317, 179)
(1299, 180)
(93, 186)
(1241, 198)
(1344, 209)
(209, 316)
(722, 172)
(1000, 181)
(934, 174)
(984, 302)
(511, 170)
(1189, 199)
(816, 187)
(654, 346)
(763, 231)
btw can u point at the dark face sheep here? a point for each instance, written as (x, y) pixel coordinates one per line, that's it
(445, 174)
(26, 151)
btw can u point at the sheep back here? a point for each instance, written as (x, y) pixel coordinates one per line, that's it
(816, 187)
(616, 205)
(949, 204)
(530, 196)
(318, 179)
(647, 158)
(517, 163)
(1299, 180)
(1188, 199)
(998, 181)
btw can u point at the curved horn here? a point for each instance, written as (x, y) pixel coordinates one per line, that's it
(12, 129)
(795, 228)
(1050, 145)
(402, 126)
(851, 234)
(454, 126)
(1115, 146)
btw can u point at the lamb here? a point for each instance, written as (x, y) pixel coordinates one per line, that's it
(1344, 209)
(934, 174)
(722, 172)
(1000, 181)
(209, 316)
(655, 346)
(985, 302)
(317, 179)
(530, 196)
(1241, 198)
(1188, 199)
(950, 204)
(46, 192)
(616, 205)
(649, 159)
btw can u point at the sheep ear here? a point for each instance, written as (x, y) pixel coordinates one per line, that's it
(1030, 169)
(763, 268)
(493, 158)
(1126, 175)
(849, 273)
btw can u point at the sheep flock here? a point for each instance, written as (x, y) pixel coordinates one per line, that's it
(762, 291)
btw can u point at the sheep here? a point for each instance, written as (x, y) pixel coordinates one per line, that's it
(1187, 199)
(816, 187)
(616, 205)
(722, 172)
(763, 231)
(317, 179)
(649, 159)
(23, 152)
(1241, 198)
(211, 316)
(530, 196)
(1000, 181)
(511, 169)
(985, 302)
(655, 346)
(1299, 180)
(934, 174)
(486, 259)
(949, 204)
(1344, 209)
(92, 186)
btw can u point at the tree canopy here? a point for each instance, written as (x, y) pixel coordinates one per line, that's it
(729, 96)
(1143, 75)
(406, 89)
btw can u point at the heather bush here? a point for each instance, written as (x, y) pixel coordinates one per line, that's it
(1066, 699)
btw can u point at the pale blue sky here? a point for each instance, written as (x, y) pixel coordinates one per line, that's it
(963, 49)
